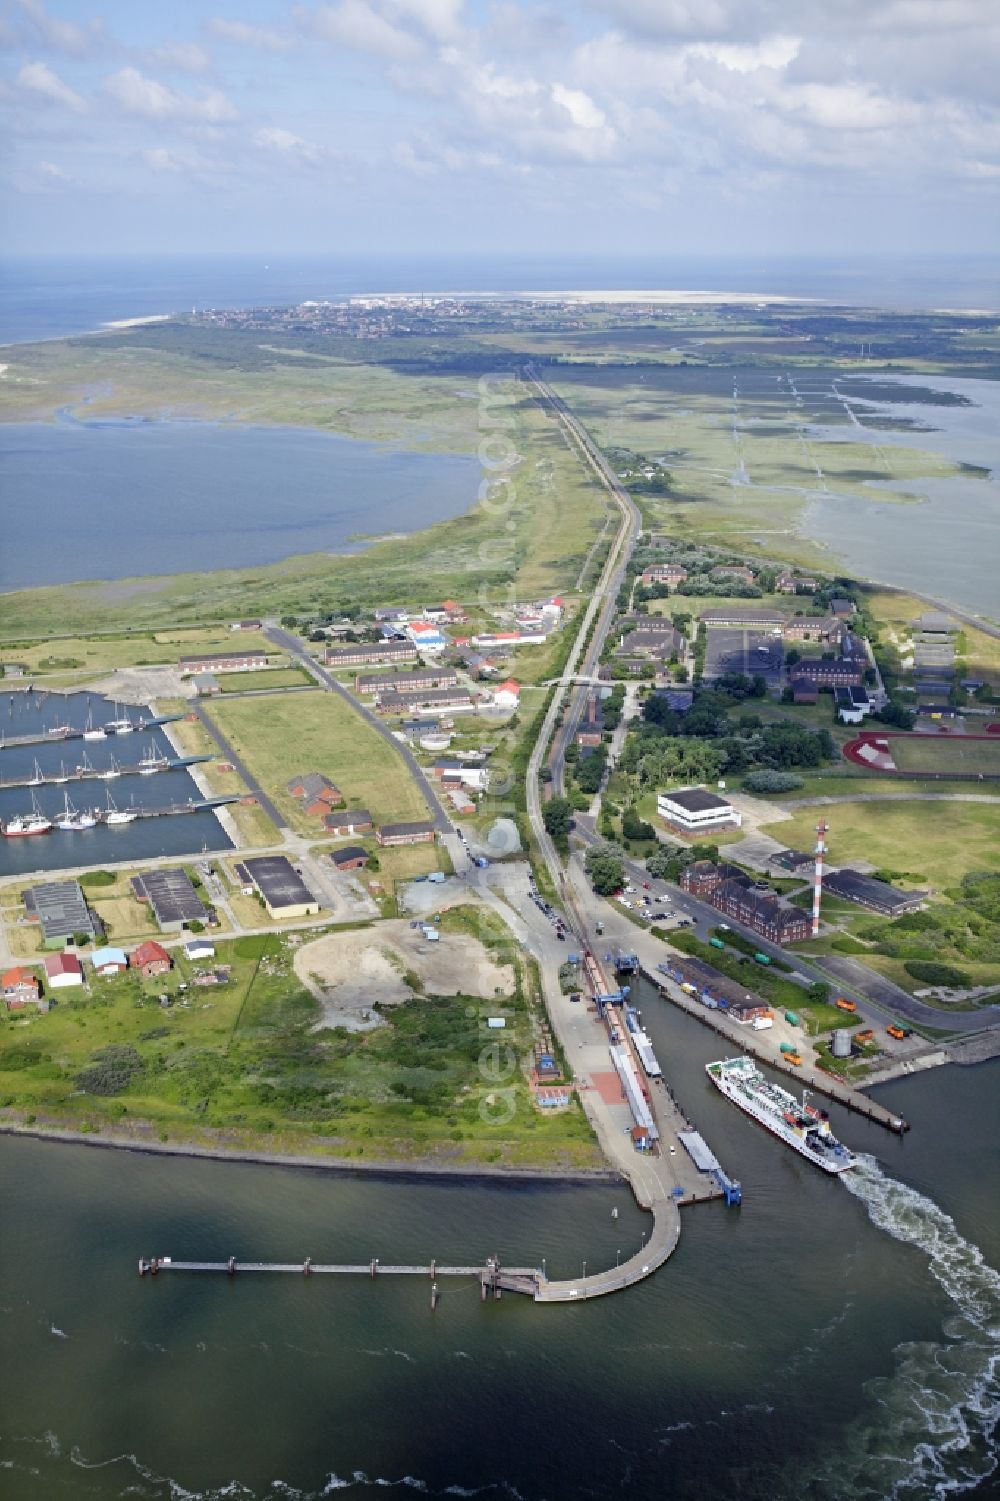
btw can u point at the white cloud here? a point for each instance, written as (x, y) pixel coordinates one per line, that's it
(186, 57)
(244, 35)
(50, 173)
(580, 107)
(359, 26)
(38, 78)
(162, 160)
(276, 140)
(148, 99)
(58, 35)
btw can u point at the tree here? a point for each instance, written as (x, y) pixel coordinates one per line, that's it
(895, 714)
(289, 622)
(605, 866)
(766, 780)
(659, 864)
(819, 992)
(557, 816)
(634, 827)
(758, 687)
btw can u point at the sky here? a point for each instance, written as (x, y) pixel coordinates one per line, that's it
(495, 126)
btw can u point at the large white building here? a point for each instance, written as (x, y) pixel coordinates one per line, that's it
(695, 810)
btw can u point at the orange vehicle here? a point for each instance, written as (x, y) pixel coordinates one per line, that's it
(898, 1032)
(794, 1058)
(843, 1005)
(866, 1036)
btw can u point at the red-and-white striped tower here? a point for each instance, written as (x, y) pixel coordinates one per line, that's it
(821, 828)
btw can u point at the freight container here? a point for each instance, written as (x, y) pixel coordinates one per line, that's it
(788, 1047)
(792, 1018)
(761, 1023)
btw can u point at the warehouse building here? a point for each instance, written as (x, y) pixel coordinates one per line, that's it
(172, 896)
(281, 888)
(877, 896)
(60, 908)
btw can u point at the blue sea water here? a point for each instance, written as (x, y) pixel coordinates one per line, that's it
(46, 298)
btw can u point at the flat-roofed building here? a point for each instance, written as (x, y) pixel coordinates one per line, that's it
(412, 701)
(281, 888)
(378, 683)
(695, 810)
(61, 910)
(172, 897)
(877, 896)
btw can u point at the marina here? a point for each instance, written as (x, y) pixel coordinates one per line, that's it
(85, 771)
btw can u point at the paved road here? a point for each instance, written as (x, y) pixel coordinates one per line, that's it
(297, 648)
(884, 992)
(241, 766)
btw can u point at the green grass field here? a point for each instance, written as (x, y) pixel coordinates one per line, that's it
(269, 678)
(938, 841)
(316, 731)
(947, 754)
(241, 1066)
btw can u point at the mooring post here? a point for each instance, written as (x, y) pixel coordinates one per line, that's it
(433, 1270)
(373, 1267)
(142, 1267)
(231, 1267)
(154, 1265)
(307, 1266)
(434, 1296)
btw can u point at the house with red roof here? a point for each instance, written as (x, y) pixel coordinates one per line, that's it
(21, 987)
(507, 694)
(150, 959)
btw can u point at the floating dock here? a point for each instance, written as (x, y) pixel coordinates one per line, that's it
(93, 774)
(61, 733)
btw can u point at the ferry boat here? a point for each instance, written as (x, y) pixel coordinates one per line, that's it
(798, 1124)
(643, 1046)
(72, 822)
(23, 824)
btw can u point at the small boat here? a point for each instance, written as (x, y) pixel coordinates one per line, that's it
(115, 817)
(153, 761)
(72, 822)
(92, 731)
(59, 730)
(85, 768)
(110, 772)
(36, 779)
(121, 724)
(23, 824)
(63, 774)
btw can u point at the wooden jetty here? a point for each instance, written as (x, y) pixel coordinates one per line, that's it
(494, 1279)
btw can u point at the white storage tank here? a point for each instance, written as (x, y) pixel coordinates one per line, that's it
(840, 1045)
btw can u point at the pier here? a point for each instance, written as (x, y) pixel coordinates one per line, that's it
(93, 774)
(746, 1041)
(62, 733)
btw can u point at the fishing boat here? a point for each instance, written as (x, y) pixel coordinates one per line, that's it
(798, 1124)
(23, 824)
(109, 773)
(70, 821)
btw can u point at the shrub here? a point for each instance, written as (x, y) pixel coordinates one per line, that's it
(767, 780)
(111, 1070)
(931, 972)
(98, 878)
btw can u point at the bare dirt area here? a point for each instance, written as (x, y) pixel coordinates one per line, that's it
(349, 972)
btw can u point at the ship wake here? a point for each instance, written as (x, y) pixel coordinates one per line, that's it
(936, 1432)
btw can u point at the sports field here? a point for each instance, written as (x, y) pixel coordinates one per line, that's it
(952, 755)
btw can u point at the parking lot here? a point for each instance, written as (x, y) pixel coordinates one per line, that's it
(729, 649)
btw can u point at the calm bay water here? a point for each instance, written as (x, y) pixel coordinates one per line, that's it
(110, 500)
(30, 713)
(790, 1349)
(948, 543)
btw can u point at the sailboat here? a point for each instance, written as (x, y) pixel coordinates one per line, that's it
(86, 767)
(34, 822)
(63, 774)
(115, 816)
(121, 724)
(92, 732)
(110, 772)
(71, 822)
(154, 760)
(36, 779)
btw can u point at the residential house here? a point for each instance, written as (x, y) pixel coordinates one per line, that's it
(350, 821)
(317, 793)
(20, 987)
(150, 959)
(108, 962)
(351, 857)
(670, 574)
(507, 695)
(199, 948)
(405, 833)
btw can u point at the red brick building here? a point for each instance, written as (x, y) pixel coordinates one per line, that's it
(150, 959)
